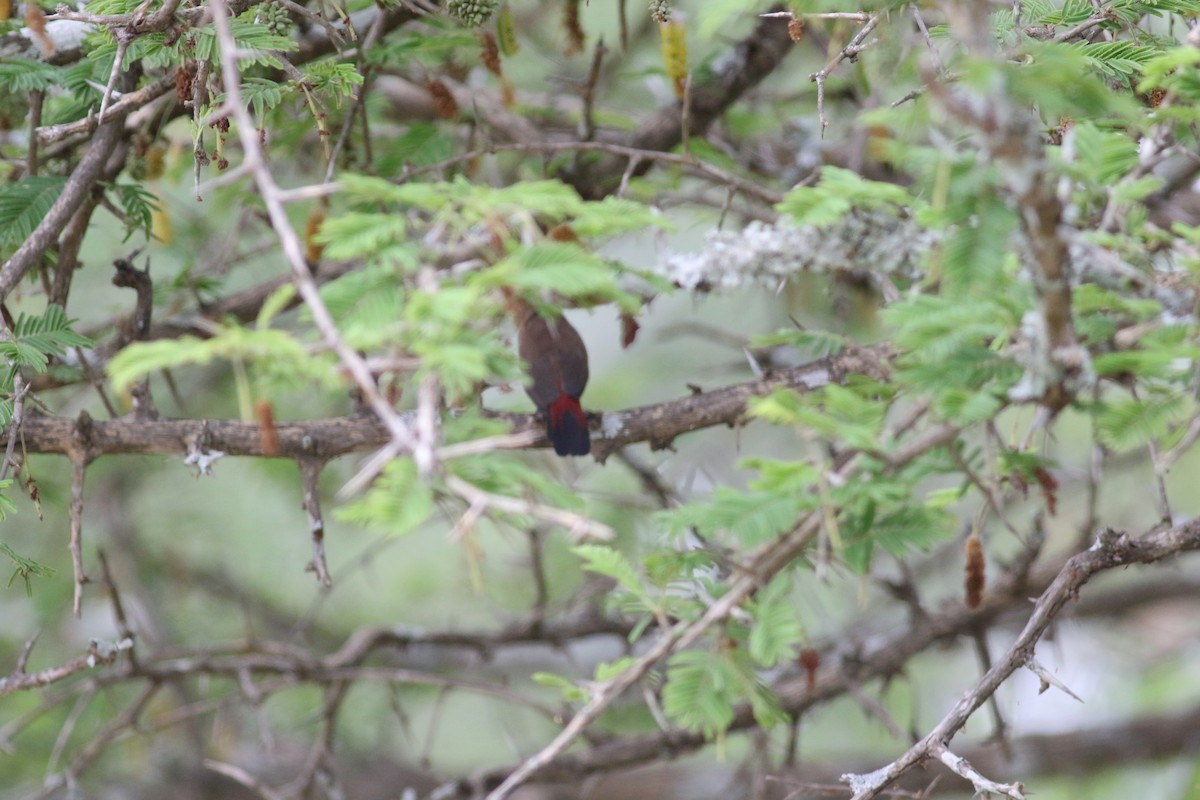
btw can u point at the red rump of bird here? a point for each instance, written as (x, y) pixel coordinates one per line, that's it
(558, 372)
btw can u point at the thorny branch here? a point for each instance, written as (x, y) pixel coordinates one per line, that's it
(1111, 549)
(399, 431)
(659, 423)
(313, 442)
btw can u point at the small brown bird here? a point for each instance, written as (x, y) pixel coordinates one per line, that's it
(558, 368)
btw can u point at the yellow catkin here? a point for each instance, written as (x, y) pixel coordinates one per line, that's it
(506, 32)
(160, 220)
(674, 53)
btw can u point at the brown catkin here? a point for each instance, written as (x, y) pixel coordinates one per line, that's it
(576, 38)
(796, 29)
(974, 571)
(810, 660)
(444, 104)
(629, 330)
(1049, 488)
(312, 226)
(491, 54)
(268, 434)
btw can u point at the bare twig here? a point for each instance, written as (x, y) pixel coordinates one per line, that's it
(960, 766)
(577, 525)
(310, 471)
(244, 778)
(76, 547)
(853, 47)
(587, 123)
(1048, 680)
(20, 388)
(129, 102)
(123, 629)
(118, 63)
(37, 99)
(98, 654)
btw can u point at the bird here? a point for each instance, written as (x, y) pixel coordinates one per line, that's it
(558, 372)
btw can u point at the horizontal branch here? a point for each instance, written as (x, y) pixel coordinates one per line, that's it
(98, 654)
(657, 424)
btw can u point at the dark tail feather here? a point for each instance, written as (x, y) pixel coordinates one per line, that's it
(567, 427)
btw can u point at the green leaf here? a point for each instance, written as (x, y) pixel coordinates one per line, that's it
(261, 94)
(25, 567)
(776, 629)
(397, 502)
(21, 76)
(614, 215)
(275, 303)
(834, 412)
(139, 204)
(276, 348)
(607, 670)
(1128, 423)
(898, 531)
(750, 517)
(1103, 156)
(24, 204)
(359, 234)
(611, 563)
(35, 338)
(1130, 191)
(566, 269)
(338, 79)
(697, 693)
(570, 691)
(255, 43)
(838, 191)
(820, 344)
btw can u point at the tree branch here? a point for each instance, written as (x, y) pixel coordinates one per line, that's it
(74, 193)
(658, 424)
(1112, 549)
